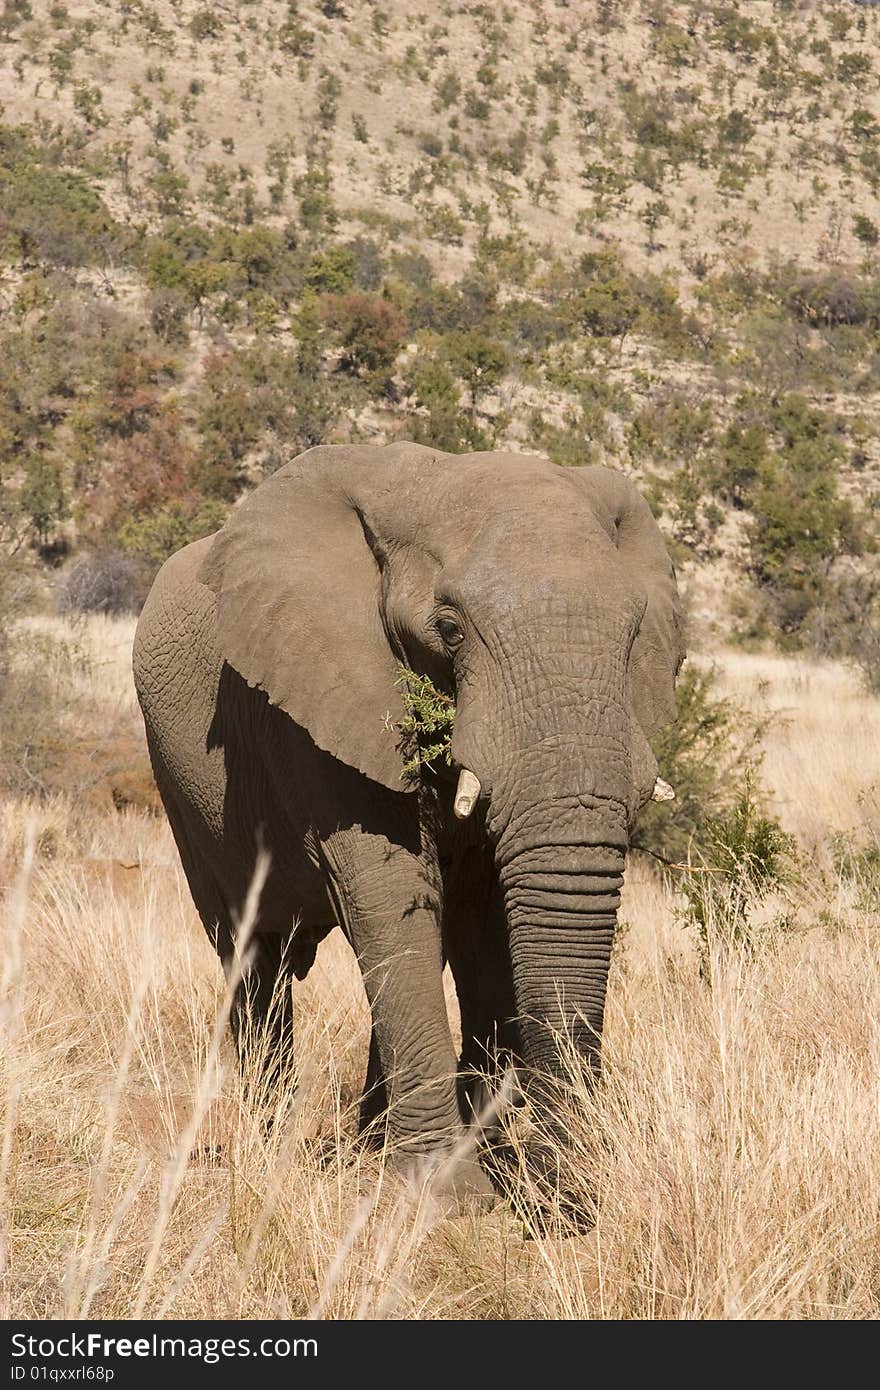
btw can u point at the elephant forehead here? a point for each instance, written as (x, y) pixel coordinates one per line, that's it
(555, 592)
(487, 506)
(512, 488)
(542, 544)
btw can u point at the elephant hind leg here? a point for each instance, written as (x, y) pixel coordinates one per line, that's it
(262, 1013)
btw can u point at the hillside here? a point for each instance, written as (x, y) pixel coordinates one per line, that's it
(644, 237)
(439, 126)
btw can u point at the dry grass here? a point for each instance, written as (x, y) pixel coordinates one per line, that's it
(822, 758)
(729, 1155)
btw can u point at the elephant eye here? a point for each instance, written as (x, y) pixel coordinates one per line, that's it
(450, 632)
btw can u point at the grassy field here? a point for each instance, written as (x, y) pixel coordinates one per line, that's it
(729, 1154)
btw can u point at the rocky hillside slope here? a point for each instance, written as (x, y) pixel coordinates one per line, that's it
(641, 235)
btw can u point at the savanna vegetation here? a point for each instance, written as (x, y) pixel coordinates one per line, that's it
(645, 236)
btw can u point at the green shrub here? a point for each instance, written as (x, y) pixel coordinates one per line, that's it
(748, 857)
(800, 525)
(742, 461)
(294, 37)
(243, 396)
(737, 33)
(316, 207)
(607, 306)
(529, 326)
(651, 121)
(370, 330)
(158, 534)
(14, 12)
(206, 24)
(331, 271)
(169, 310)
(444, 425)
(865, 230)
(448, 90)
(441, 223)
(717, 844)
(735, 128)
(203, 264)
(329, 89)
(260, 393)
(708, 756)
(49, 211)
(672, 430)
(43, 496)
(478, 360)
(572, 444)
(693, 519)
(853, 68)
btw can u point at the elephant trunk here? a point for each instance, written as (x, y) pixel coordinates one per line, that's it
(562, 770)
(561, 903)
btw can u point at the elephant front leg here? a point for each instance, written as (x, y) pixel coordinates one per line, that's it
(476, 945)
(391, 916)
(374, 1101)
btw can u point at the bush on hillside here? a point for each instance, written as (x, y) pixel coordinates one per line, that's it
(154, 535)
(749, 856)
(441, 422)
(370, 329)
(480, 362)
(718, 844)
(104, 581)
(48, 211)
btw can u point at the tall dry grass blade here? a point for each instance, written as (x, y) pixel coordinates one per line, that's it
(80, 1282)
(11, 1026)
(206, 1086)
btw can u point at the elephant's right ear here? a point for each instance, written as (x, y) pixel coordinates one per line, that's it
(298, 614)
(658, 648)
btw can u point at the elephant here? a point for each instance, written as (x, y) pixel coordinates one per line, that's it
(267, 659)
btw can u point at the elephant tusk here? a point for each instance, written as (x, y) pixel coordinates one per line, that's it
(466, 794)
(662, 791)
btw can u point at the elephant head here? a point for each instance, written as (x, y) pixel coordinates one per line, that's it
(544, 599)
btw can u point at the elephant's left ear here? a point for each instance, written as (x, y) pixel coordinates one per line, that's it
(658, 649)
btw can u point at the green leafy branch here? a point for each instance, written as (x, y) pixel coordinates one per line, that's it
(428, 722)
(754, 858)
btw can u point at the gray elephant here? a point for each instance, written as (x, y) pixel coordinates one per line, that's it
(267, 663)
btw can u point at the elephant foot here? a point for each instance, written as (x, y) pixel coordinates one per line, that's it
(543, 1195)
(451, 1183)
